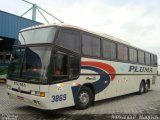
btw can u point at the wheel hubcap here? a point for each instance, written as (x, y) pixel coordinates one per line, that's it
(84, 98)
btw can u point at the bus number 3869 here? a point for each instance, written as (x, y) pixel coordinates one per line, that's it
(58, 98)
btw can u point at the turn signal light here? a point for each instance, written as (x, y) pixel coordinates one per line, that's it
(42, 94)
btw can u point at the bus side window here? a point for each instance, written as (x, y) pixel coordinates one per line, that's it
(74, 67)
(59, 67)
(60, 64)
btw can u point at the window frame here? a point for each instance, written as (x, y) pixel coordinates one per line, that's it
(101, 57)
(155, 62)
(147, 57)
(71, 29)
(124, 46)
(100, 46)
(19, 78)
(73, 78)
(68, 53)
(134, 51)
(139, 57)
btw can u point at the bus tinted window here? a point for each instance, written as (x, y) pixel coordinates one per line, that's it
(35, 63)
(90, 45)
(125, 53)
(109, 49)
(60, 64)
(39, 35)
(140, 57)
(132, 55)
(69, 39)
(122, 52)
(74, 67)
(155, 60)
(59, 67)
(152, 60)
(147, 59)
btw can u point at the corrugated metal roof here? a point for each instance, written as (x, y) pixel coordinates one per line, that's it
(11, 24)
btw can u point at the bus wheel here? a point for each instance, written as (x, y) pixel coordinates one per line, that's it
(141, 88)
(84, 98)
(147, 86)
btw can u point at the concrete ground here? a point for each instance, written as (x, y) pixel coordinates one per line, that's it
(130, 106)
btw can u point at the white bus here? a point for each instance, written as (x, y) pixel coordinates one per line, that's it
(59, 65)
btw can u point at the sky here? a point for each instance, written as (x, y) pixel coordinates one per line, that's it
(135, 21)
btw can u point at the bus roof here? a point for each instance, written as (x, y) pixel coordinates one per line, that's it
(104, 35)
(76, 27)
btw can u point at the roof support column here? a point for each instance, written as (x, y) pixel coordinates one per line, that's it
(34, 12)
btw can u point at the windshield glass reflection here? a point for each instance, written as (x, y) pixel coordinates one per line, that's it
(30, 63)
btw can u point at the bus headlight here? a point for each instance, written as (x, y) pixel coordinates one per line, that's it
(37, 93)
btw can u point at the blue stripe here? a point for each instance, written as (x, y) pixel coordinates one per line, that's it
(75, 90)
(99, 85)
(104, 80)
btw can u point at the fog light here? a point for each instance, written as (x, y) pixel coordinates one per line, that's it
(9, 86)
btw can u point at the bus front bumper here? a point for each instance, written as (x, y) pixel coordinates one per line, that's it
(31, 100)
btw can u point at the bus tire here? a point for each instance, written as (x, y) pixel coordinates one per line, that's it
(147, 86)
(84, 98)
(141, 88)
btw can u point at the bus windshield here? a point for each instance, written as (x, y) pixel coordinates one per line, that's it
(38, 35)
(30, 64)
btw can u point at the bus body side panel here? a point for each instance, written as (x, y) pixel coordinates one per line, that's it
(65, 94)
(109, 79)
(127, 77)
(60, 95)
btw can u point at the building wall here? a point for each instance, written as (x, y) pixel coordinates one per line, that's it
(11, 24)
